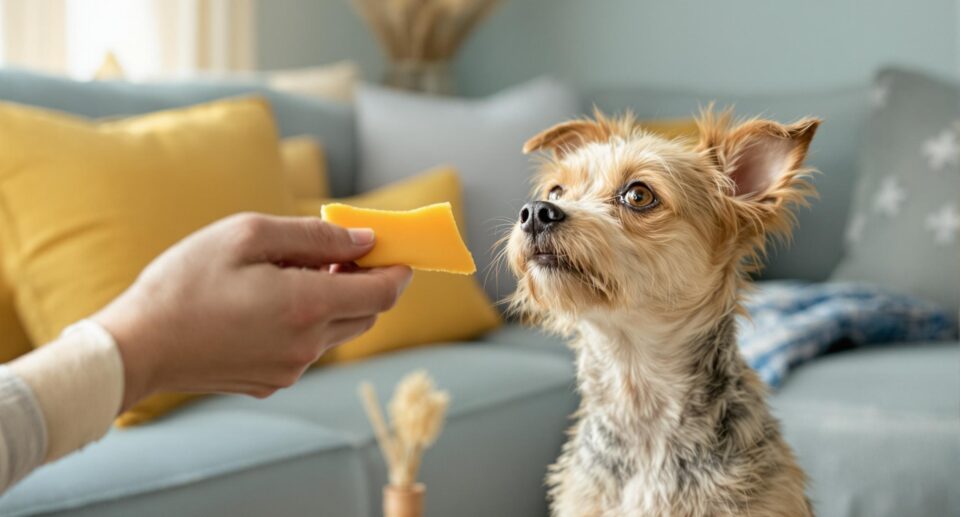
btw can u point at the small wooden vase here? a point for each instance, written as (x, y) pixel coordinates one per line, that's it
(403, 501)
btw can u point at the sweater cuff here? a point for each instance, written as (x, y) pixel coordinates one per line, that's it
(78, 382)
(23, 432)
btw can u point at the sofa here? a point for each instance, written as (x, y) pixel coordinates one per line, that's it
(875, 428)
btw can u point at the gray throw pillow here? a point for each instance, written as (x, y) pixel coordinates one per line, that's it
(904, 226)
(401, 134)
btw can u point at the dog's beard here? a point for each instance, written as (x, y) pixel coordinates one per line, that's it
(560, 274)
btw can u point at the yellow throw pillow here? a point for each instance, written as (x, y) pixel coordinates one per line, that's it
(13, 337)
(436, 307)
(85, 206)
(672, 127)
(304, 167)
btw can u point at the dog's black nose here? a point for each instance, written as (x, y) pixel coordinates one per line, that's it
(538, 216)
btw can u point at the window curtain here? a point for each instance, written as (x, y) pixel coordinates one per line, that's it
(148, 38)
(33, 34)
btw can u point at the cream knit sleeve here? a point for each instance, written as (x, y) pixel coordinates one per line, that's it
(58, 398)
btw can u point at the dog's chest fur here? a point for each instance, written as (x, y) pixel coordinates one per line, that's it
(685, 432)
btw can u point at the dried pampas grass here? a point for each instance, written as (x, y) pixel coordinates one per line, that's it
(423, 30)
(416, 418)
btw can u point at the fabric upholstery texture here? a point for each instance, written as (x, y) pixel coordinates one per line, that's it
(331, 123)
(336, 81)
(904, 227)
(305, 167)
(876, 430)
(309, 450)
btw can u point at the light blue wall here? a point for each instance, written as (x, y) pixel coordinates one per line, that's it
(293, 33)
(713, 45)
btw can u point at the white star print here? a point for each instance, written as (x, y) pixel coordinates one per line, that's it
(889, 197)
(942, 150)
(944, 223)
(880, 92)
(855, 228)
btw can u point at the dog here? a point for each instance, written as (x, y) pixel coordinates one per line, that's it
(639, 247)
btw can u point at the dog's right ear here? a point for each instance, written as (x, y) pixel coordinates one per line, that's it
(565, 137)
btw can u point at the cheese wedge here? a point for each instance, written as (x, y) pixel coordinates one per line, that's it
(424, 238)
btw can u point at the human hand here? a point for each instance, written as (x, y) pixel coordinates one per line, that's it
(245, 305)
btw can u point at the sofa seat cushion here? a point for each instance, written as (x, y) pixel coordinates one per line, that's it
(877, 429)
(309, 450)
(531, 339)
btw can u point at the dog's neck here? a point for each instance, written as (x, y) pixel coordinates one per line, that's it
(639, 371)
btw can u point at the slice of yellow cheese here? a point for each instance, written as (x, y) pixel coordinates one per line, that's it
(424, 238)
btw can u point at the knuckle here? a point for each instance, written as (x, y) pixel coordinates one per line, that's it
(304, 356)
(322, 234)
(302, 310)
(286, 380)
(387, 295)
(248, 228)
(262, 393)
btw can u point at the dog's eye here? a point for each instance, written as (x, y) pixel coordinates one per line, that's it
(555, 193)
(639, 196)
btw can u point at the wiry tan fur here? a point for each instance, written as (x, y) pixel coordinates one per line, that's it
(672, 421)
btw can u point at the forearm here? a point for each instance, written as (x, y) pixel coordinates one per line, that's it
(23, 432)
(74, 385)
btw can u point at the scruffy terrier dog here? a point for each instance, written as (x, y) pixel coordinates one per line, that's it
(638, 248)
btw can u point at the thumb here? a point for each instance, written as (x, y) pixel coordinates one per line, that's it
(300, 241)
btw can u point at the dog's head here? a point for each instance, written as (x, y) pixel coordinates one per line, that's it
(626, 220)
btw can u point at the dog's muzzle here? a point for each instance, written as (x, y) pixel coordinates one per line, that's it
(540, 216)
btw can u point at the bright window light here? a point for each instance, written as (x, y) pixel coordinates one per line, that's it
(2, 37)
(127, 28)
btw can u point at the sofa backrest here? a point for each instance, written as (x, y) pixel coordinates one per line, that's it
(330, 122)
(818, 238)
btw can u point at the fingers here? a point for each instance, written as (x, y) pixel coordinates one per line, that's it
(368, 292)
(296, 241)
(335, 296)
(341, 331)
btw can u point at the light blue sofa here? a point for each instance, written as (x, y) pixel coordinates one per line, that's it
(878, 430)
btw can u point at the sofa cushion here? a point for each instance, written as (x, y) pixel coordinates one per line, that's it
(309, 450)
(877, 430)
(818, 239)
(904, 227)
(330, 122)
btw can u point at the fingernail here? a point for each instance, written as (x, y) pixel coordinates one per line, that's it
(361, 236)
(408, 280)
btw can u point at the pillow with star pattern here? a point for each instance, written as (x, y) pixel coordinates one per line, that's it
(904, 226)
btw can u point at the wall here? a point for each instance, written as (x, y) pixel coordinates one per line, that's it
(733, 45)
(293, 33)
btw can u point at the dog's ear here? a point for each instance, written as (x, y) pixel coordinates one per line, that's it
(764, 162)
(565, 137)
(762, 157)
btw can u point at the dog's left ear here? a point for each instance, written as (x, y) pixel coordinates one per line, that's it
(763, 158)
(567, 136)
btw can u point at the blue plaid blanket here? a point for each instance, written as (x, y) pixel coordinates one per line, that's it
(794, 322)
